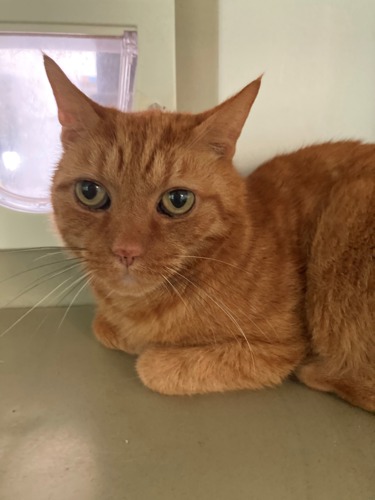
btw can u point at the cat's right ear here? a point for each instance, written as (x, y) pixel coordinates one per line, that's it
(220, 127)
(76, 112)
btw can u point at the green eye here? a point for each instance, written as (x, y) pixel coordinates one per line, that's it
(92, 195)
(176, 202)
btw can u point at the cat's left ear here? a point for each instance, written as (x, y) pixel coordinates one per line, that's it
(222, 126)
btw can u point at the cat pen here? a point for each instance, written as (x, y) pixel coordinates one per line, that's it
(77, 421)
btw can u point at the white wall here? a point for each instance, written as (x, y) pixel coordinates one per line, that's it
(319, 62)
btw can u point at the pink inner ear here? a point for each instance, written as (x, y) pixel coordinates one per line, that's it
(66, 119)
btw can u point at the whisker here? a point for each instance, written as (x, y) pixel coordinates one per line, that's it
(226, 285)
(75, 297)
(49, 254)
(40, 325)
(34, 307)
(260, 330)
(201, 300)
(109, 294)
(175, 289)
(216, 260)
(62, 261)
(68, 290)
(165, 285)
(39, 281)
(223, 308)
(22, 250)
(36, 249)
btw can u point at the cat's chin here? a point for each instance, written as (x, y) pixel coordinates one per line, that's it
(128, 286)
(135, 291)
(130, 280)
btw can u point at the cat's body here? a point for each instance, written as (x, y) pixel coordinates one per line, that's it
(261, 278)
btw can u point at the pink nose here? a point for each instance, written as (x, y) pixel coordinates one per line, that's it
(127, 253)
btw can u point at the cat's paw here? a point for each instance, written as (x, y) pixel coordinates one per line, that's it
(162, 372)
(106, 335)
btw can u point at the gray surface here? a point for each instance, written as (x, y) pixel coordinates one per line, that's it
(76, 424)
(27, 276)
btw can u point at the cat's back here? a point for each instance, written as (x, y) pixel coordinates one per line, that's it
(302, 181)
(317, 165)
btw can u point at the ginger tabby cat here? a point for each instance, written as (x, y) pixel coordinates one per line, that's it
(219, 282)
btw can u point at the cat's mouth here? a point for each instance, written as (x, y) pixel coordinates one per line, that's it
(127, 277)
(123, 281)
(137, 279)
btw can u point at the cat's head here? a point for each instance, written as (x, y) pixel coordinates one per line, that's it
(143, 194)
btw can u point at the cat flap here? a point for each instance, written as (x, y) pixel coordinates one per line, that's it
(76, 112)
(222, 126)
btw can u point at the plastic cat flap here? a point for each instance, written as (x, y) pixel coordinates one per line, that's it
(102, 67)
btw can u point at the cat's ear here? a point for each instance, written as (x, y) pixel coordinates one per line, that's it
(76, 112)
(221, 127)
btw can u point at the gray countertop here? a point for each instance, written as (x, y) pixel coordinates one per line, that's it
(76, 424)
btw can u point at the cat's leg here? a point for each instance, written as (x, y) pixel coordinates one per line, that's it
(360, 392)
(216, 368)
(340, 299)
(107, 335)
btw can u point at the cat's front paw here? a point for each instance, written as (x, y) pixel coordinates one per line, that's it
(108, 337)
(162, 370)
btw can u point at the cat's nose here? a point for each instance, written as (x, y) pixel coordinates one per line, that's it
(127, 253)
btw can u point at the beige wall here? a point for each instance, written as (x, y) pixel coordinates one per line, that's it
(318, 59)
(196, 54)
